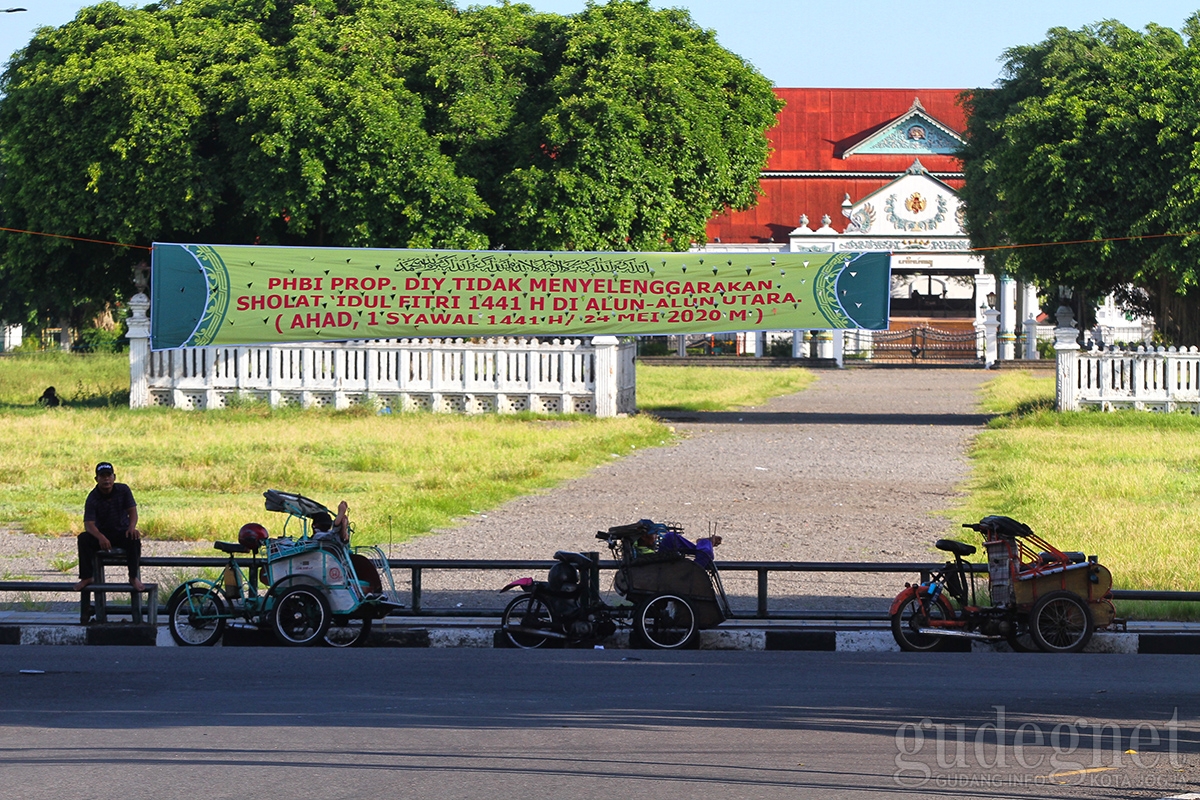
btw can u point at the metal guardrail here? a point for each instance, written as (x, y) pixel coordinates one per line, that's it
(418, 567)
(762, 569)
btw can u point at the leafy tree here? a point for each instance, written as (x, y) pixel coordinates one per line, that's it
(642, 128)
(1091, 135)
(363, 123)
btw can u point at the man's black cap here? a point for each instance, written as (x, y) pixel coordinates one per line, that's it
(104, 467)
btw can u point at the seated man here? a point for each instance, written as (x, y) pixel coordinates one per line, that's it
(109, 521)
(326, 527)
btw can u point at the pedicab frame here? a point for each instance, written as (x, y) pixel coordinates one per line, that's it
(320, 589)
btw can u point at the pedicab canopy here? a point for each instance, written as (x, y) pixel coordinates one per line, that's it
(241, 294)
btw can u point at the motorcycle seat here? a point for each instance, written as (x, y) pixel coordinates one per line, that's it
(231, 547)
(957, 548)
(574, 559)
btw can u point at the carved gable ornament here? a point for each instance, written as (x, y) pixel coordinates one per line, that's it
(916, 203)
(913, 133)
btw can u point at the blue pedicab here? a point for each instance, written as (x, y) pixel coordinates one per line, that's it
(320, 589)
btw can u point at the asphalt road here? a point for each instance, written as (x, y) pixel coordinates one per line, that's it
(133, 723)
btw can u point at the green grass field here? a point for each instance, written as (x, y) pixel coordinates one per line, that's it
(1124, 486)
(714, 388)
(201, 475)
(92, 380)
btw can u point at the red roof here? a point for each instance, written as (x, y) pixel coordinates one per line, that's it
(815, 128)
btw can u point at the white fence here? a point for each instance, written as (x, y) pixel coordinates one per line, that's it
(1145, 379)
(1162, 379)
(505, 375)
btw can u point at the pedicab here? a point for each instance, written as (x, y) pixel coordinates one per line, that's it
(671, 590)
(318, 588)
(1041, 597)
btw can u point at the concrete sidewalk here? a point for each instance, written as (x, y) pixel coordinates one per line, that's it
(51, 628)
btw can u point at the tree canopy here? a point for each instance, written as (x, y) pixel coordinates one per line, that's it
(1092, 134)
(384, 123)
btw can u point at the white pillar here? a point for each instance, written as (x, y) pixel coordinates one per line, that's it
(824, 344)
(1066, 351)
(985, 283)
(1007, 305)
(139, 350)
(760, 344)
(607, 388)
(797, 344)
(1031, 351)
(681, 345)
(1029, 309)
(839, 347)
(991, 327)
(13, 335)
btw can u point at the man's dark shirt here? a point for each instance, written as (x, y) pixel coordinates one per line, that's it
(111, 512)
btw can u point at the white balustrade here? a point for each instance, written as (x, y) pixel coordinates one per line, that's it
(1145, 379)
(504, 375)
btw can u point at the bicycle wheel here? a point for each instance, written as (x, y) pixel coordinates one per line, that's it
(666, 622)
(300, 616)
(524, 619)
(197, 615)
(1061, 622)
(348, 633)
(911, 617)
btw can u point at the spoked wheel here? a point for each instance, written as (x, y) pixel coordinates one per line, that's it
(197, 614)
(300, 616)
(1061, 622)
(524, 619)
(348, 633)
(911, 617)
(666, 622)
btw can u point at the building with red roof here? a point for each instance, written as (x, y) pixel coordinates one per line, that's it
(871, 170)
(834, 142)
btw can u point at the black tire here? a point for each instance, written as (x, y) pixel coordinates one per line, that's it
(348, 633)
(300, 616)
(1061, 622)
(523, 618)
(666, 622)
(910, 617)
(1020, 640)
(196, 615)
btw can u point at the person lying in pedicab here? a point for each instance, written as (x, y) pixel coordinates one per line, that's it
(326, 527)
(661, 539)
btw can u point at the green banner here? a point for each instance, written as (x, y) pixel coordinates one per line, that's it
(242, 294)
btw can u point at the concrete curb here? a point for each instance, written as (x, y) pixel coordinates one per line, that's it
(811, 638)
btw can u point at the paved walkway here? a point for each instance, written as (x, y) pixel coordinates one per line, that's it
(859, 467)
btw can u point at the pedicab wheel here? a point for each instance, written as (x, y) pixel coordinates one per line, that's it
(197, 616)
(300, 616)
(911, 617)
(1061, 622)
(348, 633)
(524, 617)
(665, 622)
